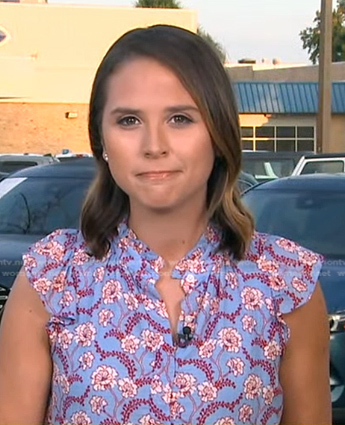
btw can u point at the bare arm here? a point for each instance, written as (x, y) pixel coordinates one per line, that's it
(25, 363)
(304, 371)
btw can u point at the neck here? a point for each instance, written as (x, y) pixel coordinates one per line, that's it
(170, 234)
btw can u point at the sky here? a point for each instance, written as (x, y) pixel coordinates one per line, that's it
(256, 29)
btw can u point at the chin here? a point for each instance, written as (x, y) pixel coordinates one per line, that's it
(159, 205)
(161, 208)
(164, 204)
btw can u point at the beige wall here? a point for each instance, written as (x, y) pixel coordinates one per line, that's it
(279, 73)
(337, 142)
(251, 120)
(54, 50)
(48, 63)
(42, 128)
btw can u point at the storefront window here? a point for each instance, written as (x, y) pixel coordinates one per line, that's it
(279, 138)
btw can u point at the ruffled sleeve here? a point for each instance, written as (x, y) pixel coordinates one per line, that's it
(293, 277)
(299, 269)
(49, 268)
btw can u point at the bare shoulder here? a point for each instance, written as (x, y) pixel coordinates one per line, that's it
(304, 371)
(25, 362)
(24, 300)
(309, 319)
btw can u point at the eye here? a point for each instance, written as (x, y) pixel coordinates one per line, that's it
(180, 119)
(128, 121)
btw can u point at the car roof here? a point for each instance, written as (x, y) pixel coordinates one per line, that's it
(79, 167)
(25, 157)
(270, 154)
(315, 182)
(325, 155)
(73, 155)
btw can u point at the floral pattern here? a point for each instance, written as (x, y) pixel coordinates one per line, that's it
(115, 361)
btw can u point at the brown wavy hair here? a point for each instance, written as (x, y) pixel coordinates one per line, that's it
(199, 69)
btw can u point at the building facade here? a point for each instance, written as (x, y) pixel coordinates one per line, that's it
(49, 54)
(48, 57)
(282, 116)
(278, 106)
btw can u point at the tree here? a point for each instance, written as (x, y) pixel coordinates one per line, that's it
(218, 48)
(174, 4)
(310, 36)
(165, 4)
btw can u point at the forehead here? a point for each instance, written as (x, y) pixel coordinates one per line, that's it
(147, 80)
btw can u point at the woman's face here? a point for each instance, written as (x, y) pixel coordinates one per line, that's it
(159, 149)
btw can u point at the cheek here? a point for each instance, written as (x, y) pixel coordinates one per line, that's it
(119, 147)
(118, 161)
(118, 143)
(119, 173)
(204, 154)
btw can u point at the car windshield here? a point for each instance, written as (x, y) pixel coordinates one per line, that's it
(313, 219)
(37, 206)
(263, 168)
(323, 167)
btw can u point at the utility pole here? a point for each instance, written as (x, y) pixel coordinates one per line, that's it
(325, 82)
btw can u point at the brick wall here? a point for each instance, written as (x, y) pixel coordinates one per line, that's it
(42, 128)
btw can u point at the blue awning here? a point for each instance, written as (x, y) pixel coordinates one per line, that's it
(285, 97)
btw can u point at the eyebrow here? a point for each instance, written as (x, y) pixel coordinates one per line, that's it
(179, 108)
(170, 109)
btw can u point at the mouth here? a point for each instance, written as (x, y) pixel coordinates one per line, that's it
(157, 175)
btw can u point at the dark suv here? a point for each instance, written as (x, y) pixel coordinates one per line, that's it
(34, 202)
(310, 210)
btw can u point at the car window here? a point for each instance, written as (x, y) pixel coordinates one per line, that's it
(323, 167)
(313, 219)
(10, 184)
(66, 158)
(41, 205)
(11, 166)
(268, 168)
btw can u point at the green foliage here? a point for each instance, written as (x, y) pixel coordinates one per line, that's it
(310, 36)
(219, 49)
(174, 4)
(164, 4)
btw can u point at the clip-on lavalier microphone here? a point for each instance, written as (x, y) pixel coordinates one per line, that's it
(184, 338)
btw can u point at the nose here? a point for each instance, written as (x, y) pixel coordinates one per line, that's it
(155, 143)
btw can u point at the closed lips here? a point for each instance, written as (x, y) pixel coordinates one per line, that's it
(156, 173)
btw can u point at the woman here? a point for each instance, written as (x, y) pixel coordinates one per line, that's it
(167, 307)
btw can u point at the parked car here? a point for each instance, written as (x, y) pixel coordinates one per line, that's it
(9, 163)
(310, 210)
(36, 201)
(266, 165)
(3, 175)
(320, 163)
(246, 181)
(68, 155)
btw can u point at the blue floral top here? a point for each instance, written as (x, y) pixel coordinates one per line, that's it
(114, 359)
